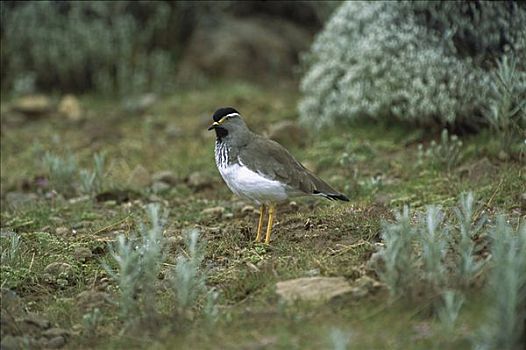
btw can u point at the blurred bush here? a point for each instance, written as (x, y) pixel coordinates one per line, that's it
(424, 62)
(136, 46)
(114, 46)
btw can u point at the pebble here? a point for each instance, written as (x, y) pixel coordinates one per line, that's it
(199, 180)
(55, 332)
(139, 177)
(69, 107)
(36, 320)
(214, 211)
(57, 268)
(56, 342)
(247, 210)
(166, 176)
(62, 231)
(82, 254)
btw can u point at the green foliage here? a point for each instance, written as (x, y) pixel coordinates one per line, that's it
(91, 182)
(395, 262)
(340, 340)
(111, 47)
(449, 310)
(10, 254)
(468, 266)
(187, 279)
(138, 266)
(420, 62)
(139, 261)
(62, 172)
(507, 115)
(444, 155)
(429, 254)
(504, 325)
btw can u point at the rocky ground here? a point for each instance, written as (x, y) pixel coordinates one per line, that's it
(312, 287)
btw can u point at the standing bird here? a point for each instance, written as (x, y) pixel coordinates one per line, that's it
(260, 170)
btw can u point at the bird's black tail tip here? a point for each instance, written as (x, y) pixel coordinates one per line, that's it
(333, 196)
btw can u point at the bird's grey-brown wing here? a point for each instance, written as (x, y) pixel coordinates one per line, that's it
(273, 161)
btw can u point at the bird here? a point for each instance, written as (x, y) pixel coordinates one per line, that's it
(260, 170)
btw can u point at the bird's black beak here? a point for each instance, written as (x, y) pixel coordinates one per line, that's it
(213, 125)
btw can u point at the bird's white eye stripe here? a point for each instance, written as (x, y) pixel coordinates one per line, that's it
(231, 115)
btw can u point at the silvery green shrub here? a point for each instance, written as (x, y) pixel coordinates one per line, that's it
(504, 326)
(425, 63)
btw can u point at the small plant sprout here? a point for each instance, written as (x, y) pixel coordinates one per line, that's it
(339, 339)
(468, 267)
(433, 242)
(10, 255)
(507, 115)
(506, 289)
(91, 181)
(127, 275)
(395, 261)
(138, 265)
(187, 278)
(211, 311)
(449, 309)
(444, 155)
(91, 321)
(61, 171)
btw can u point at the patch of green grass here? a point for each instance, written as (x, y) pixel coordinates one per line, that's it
(376, 165)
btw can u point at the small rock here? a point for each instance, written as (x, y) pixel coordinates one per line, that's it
(312, 288)
(160, 187)
(293, 206)
(55, 332)
(33, 105)
(312, 272)
(82, 254)
(80, 199)
(62, 231)
(248, 210)
(69, 107)
(59, 270)
(199, 180)
(141, 104)
(56, 342)
(214, 211)
(166, 176)
(36, 320)
(288, 133)
(139, 177)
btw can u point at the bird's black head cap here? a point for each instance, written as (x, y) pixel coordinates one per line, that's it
(221, 112)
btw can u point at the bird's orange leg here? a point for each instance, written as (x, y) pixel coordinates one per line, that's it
(260, 224)
(271, 211)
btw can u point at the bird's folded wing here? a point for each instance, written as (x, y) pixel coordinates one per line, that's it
(274, 162)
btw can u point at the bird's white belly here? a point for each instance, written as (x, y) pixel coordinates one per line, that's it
(251, 185)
